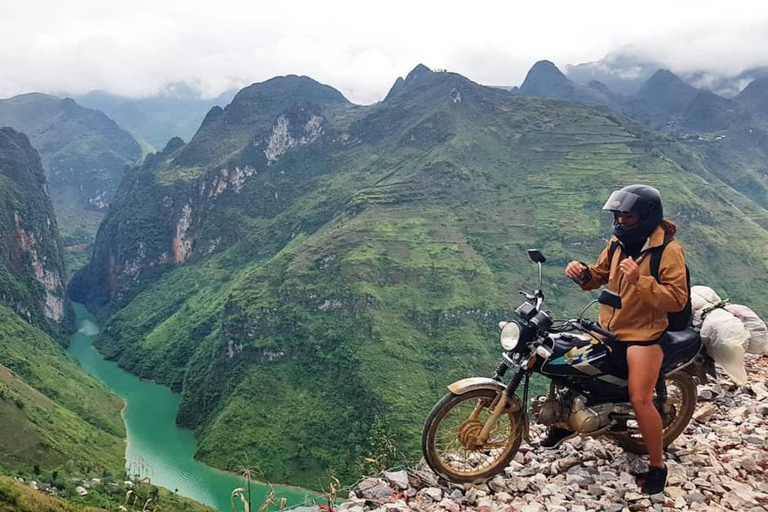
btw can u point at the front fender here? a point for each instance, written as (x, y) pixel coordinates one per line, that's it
(466, 385)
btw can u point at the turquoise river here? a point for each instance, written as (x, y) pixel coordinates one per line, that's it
(156, 446)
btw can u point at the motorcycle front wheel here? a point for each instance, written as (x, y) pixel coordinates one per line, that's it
(678, 410)
(450, 439)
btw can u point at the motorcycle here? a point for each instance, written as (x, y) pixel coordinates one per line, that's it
(475, 430)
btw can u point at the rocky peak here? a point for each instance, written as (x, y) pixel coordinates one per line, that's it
(544, 70)
(283, 90)
(755, 96)
(600, 87)
(709, 112)
(173, 145)
(667, 92)
(250, 117)
(419, 74)
(545, 79)
(213, 114)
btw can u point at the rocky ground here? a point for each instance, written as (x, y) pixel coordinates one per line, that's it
(719, 463)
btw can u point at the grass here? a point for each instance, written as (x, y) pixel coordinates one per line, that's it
(53, 414)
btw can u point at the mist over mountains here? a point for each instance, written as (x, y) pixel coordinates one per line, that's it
(154, 120)
(624, 73)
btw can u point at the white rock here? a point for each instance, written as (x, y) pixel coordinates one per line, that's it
(449, 505)
(398, 478)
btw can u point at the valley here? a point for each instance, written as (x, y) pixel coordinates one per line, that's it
(306, 275)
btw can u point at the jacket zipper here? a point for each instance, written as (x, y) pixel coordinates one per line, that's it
(608, 327)
(621, 280)
(621, 277)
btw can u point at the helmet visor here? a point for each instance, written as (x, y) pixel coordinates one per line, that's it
(622, 201)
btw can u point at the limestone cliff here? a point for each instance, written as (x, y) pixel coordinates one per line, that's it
(160, 217)
(31, 268)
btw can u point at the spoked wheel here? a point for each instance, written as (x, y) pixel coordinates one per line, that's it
(677, 412)
(451, 437)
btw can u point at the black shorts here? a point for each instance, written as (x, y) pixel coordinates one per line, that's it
(619, 351)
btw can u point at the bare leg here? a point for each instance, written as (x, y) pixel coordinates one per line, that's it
(644, 363)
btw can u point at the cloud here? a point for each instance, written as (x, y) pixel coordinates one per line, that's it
(137, 48)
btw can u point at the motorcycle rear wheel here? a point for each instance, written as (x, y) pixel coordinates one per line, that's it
(682, 395)
(449, 439)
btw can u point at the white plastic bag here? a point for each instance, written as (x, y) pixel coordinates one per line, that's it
(758, 333)
(702, 297)
(725, 339)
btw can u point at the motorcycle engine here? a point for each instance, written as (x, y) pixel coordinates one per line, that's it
(588, 419)
(549, 410)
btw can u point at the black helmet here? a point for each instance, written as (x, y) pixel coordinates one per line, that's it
(643, 200)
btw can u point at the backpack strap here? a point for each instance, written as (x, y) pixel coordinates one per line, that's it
(656, 254)
(678, 320)
(611, 251)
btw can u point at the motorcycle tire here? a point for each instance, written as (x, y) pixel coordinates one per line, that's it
(449, 437)
(682, 384)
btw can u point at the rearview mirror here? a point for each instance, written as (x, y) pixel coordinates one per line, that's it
(609, 298)
(536, 256)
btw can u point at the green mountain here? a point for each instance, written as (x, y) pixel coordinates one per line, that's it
(310, 274)
(175, 112)
(754, 97)
(83, 153)
(31, 262)
(80, 148)
(544, 79)
(52, 415)
(729, 136)
(708, 112)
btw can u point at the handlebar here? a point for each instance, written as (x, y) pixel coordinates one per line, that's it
(593, 326)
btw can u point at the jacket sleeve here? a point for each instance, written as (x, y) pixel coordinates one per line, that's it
(599, 272)
(671, 294)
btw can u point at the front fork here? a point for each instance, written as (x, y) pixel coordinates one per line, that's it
(504, 401)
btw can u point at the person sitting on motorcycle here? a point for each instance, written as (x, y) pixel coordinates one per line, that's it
(638, 226)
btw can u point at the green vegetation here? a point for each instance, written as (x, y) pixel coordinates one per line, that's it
(329, 298)
(31, 263)
(84, 154)
(79, 147)
(56, 422)
(53, 414)
(15, 496)
(78, 227)
(153, 121)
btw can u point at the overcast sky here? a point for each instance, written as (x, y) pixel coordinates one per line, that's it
(137, 47)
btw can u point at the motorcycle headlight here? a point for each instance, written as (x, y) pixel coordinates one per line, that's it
(510, 335)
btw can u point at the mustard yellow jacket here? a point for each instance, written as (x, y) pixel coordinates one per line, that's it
(643, 316)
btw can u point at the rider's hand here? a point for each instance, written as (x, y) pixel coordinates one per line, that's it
(575, 270)
(631, 271)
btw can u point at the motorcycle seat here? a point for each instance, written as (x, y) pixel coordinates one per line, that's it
(679, 347)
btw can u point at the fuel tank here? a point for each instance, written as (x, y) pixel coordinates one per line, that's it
(578, 355)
